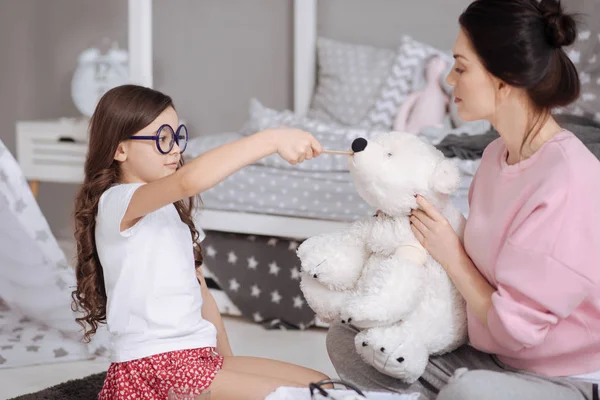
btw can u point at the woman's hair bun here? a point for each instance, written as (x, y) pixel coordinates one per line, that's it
(561, 28)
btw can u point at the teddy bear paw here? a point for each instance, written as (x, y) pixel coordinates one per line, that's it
(331, 261)
(405, 361)
(358, 323)
(363, 346)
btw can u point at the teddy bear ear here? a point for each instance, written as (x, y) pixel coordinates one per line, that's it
(446, 177)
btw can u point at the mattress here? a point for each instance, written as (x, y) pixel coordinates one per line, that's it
(269, 190)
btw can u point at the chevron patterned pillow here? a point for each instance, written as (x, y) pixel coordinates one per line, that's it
(403, 79)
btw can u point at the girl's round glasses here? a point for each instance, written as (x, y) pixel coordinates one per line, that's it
(166, 138)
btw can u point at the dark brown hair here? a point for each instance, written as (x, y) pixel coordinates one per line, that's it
(120, 113)
(521, 43)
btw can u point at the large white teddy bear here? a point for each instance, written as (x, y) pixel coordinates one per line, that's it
(375, 275)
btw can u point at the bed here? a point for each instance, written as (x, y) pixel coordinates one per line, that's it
(342, 90)
(255, 219)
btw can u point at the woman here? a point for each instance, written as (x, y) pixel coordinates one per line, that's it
(530, 266)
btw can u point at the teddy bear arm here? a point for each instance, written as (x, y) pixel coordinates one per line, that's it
(344, 247)
(352, 244)
(326, 303)
(386, 297)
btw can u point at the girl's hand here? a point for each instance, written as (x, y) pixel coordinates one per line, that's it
(435, 233)
(295, 145)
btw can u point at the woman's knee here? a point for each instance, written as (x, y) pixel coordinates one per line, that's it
(340, 345)
(467, 385)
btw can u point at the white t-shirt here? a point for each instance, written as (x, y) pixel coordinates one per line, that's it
(154, 300)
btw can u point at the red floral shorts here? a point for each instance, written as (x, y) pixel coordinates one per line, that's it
(152, 377)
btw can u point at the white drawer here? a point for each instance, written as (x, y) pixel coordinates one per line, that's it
(52, 151)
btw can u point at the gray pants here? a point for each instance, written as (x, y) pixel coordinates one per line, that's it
(465, 374)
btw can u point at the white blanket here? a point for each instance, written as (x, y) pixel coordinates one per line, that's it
(291, 393)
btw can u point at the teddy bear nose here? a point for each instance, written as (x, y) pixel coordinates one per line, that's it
(359, 145)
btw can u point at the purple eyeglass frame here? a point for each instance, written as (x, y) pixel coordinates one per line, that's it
(174, 139)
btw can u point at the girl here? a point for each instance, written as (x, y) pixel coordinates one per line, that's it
(530, 266)
(137, 248)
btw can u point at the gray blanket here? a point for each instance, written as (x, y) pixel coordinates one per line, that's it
(470, 147)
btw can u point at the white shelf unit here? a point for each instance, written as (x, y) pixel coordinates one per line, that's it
(52, 151)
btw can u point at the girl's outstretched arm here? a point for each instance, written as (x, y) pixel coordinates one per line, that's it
(211, 313)
(215, 165)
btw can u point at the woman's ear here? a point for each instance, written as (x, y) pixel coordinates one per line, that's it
(504, 90)
(120, 153)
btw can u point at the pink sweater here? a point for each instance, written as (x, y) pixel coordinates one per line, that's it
(534, 233)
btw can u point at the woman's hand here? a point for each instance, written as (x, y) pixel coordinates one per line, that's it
(435, 234)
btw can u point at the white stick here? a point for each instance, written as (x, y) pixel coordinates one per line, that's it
(345, 153)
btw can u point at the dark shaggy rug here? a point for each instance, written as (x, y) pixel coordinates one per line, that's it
(78, 389)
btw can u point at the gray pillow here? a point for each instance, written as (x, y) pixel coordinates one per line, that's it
(349, 79)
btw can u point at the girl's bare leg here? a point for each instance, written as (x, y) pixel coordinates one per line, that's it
(233, 385)
(274, 369)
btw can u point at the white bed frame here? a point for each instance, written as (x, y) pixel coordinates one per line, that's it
(305, 37)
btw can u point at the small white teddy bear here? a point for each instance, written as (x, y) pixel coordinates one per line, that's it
(375, 275)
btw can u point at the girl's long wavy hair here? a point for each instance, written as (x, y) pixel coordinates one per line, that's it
(120, 113)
